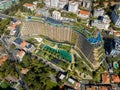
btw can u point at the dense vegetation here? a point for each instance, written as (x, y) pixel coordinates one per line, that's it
(3, 25)
(37, 77)
(7, 69)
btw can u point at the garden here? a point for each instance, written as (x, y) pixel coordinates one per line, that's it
(4, 84)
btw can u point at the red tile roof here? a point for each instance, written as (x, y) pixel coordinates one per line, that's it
(105, 78)
(2, 59)
(20, 53)
(103, 88)
(24, 70)
(76, 85)
(28, 5)
(23, 44)
(13, 25)
(84, 12)
(115, 79)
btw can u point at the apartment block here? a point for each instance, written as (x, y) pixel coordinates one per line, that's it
(115, 16)
(5, 4)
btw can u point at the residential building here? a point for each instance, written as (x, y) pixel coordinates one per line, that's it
(99, 87)
(54, 3)
(98, 12)
(77, 86)
(20, 55)
(11, 79)
(115, 78)
(3, 58)
(13, 25)
(83, 14)
(19, 43)
(91, 49)
(116, 50)
(115, 16)
(62, 3)
(27, 46)
(86, 4)
(24, 70)
(43, 12)
(13, 28)
(56, 15)
(80, 2)
(47, 3)
(5, 4)
(73, 6)
(71, 80)
(52, 29)
(115, 33)
(105, 78)
(61, 76)
(102, 23)
(30, 6)
(66, 87)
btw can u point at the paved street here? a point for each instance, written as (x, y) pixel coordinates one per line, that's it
(46, 62)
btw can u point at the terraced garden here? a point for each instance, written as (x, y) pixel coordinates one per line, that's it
(60, 57)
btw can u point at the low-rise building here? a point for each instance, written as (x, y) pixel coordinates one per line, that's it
(24, 70)
(102, 23)
(11, 79)
(105, 78)
(99, 87)
(84, 14)
(115, 79)
(3, 59)
(66, 87)
(115, 16)
(98, 12)
(43, 12)
(13, 29)
(27, 46)
(115, 32)
(30, 6)
(56, 15)
(19, 43)
(73, 6)
(61, 76)
(77, 86)
(20, 55)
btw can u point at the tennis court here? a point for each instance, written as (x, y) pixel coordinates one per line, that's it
(61, 53)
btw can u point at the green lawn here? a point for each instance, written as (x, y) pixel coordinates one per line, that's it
(4, 84)
(50, 43)
(50, 84)
(65, 47)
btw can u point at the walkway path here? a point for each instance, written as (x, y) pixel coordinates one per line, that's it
(73, 51)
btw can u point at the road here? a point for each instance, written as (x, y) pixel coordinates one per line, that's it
(51, 64)
(3, 16)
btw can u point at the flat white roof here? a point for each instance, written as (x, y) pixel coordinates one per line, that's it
(39, 39)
